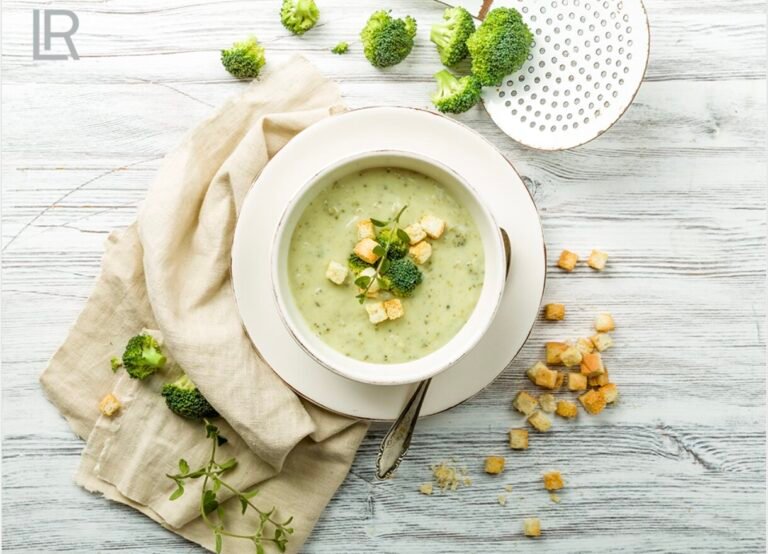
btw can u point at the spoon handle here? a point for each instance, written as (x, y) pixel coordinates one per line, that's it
(398, 438)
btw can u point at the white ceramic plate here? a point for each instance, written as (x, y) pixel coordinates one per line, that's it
(410, 130)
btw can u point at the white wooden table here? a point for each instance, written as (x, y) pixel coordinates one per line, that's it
(675, 192)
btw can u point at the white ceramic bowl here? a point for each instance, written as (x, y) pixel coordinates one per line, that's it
(442, 358)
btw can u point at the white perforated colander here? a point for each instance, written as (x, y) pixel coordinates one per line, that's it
(585, 67)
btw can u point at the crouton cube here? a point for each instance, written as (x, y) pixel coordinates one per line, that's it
(542, 376)
(518, 439)
(416, 233)
(421, 252)
(570, 357)
(540, 422)
(560, 380)
(494, 465)
(109, 405)
(532, 527)
(394, 308)
(547, 403)
(426, 488)
(375, 285)
(336, 273)
(610, 392)
(365, 230)
(554, 312)
(604, 322)
(593, 401)
(376, 312)
(553, 481)
(567, 260)
(524, 403)
(592, 364)
(599, 380)
(577, 381)
(365, 250)
(433, 226)
(597, 260)
(554, 349)
(602, 341)
(585, 346)
(566, 409)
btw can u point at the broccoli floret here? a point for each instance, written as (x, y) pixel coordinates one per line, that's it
(402, 277)
(183, 398)
(341, 48)
(399, 244)
(299, 16)
(451, 34)
(499, 46)
(245, 59)
(115, 363)
(356, 265)
(386, 40)
(142, 357)
(455, 95)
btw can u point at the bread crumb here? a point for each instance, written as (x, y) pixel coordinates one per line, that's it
(508, 488)
(604, 322)
(593, 401)
(502, 499)
(554, 498)
(597, 260)
(494, 465)
(547, 403)
(532, 527)
(554, 312)
(567, 260)
(540, 422)
(553, 481)
(426, 488)
(567, 409)
(448, 477)
(524, 403)
(518, 439)
(109, 405)
(554, 349)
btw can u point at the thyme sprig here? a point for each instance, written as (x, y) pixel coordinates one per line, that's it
(382, 250)
(211, 509)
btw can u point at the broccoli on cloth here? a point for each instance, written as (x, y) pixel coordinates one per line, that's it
(184, 399)
(451, 34)
(402, 277)
(386, 40)
(499, 46)
(143, 356)
(455, 95)
(299, 16)
(245, 59)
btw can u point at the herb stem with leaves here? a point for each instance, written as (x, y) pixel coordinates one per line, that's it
(382, 250)
(211, 473)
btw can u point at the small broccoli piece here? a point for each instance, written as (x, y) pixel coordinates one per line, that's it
(386, 40)
(399, 244)
(142, 357)
(402, 277)
(183, 398)
(116, 363)
(499, 46)
(455, 95)
(341, 48)
(245, 59)
(451, 34)
(299, 16)
(356, 264)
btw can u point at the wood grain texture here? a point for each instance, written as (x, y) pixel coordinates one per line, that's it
(675, 192)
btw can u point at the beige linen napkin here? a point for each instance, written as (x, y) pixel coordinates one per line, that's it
(170, 271)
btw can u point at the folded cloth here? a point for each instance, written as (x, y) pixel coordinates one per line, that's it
(170, 271)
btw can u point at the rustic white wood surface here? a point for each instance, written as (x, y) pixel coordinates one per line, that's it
(675, 192)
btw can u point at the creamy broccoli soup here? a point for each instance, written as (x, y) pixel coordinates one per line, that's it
(378, 288)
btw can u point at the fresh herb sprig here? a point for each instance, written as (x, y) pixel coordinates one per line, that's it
(211, 473)
(382, 250)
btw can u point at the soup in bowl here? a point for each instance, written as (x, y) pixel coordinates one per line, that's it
(387, 267)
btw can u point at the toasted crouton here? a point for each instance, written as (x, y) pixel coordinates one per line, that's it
(539, 421)
(518, 439)
(577, 381)
(593, 401)
(433, 226)
(532, 527)
(336, 273)
(547, 403)
(376, 312)
(554, 312)
(524, 403)
(610, 392)
(394, 308)
(554, 349)
(560, 380)
(592, 364)
(601, 341)
(585, 346)
(415, 233)
(553, 481)
(494, 465)
(421, 252)
(599, 380)
(542, 376)
(365, 250)
(566, 409)
(109, 405)
(567, 260)
(365, 229)
(570, 357)
(604, 322)
(597, 260)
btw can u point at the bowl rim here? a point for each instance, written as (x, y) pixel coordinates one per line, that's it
(369, 375)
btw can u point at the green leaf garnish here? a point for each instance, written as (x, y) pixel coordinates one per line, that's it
(379, 223)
